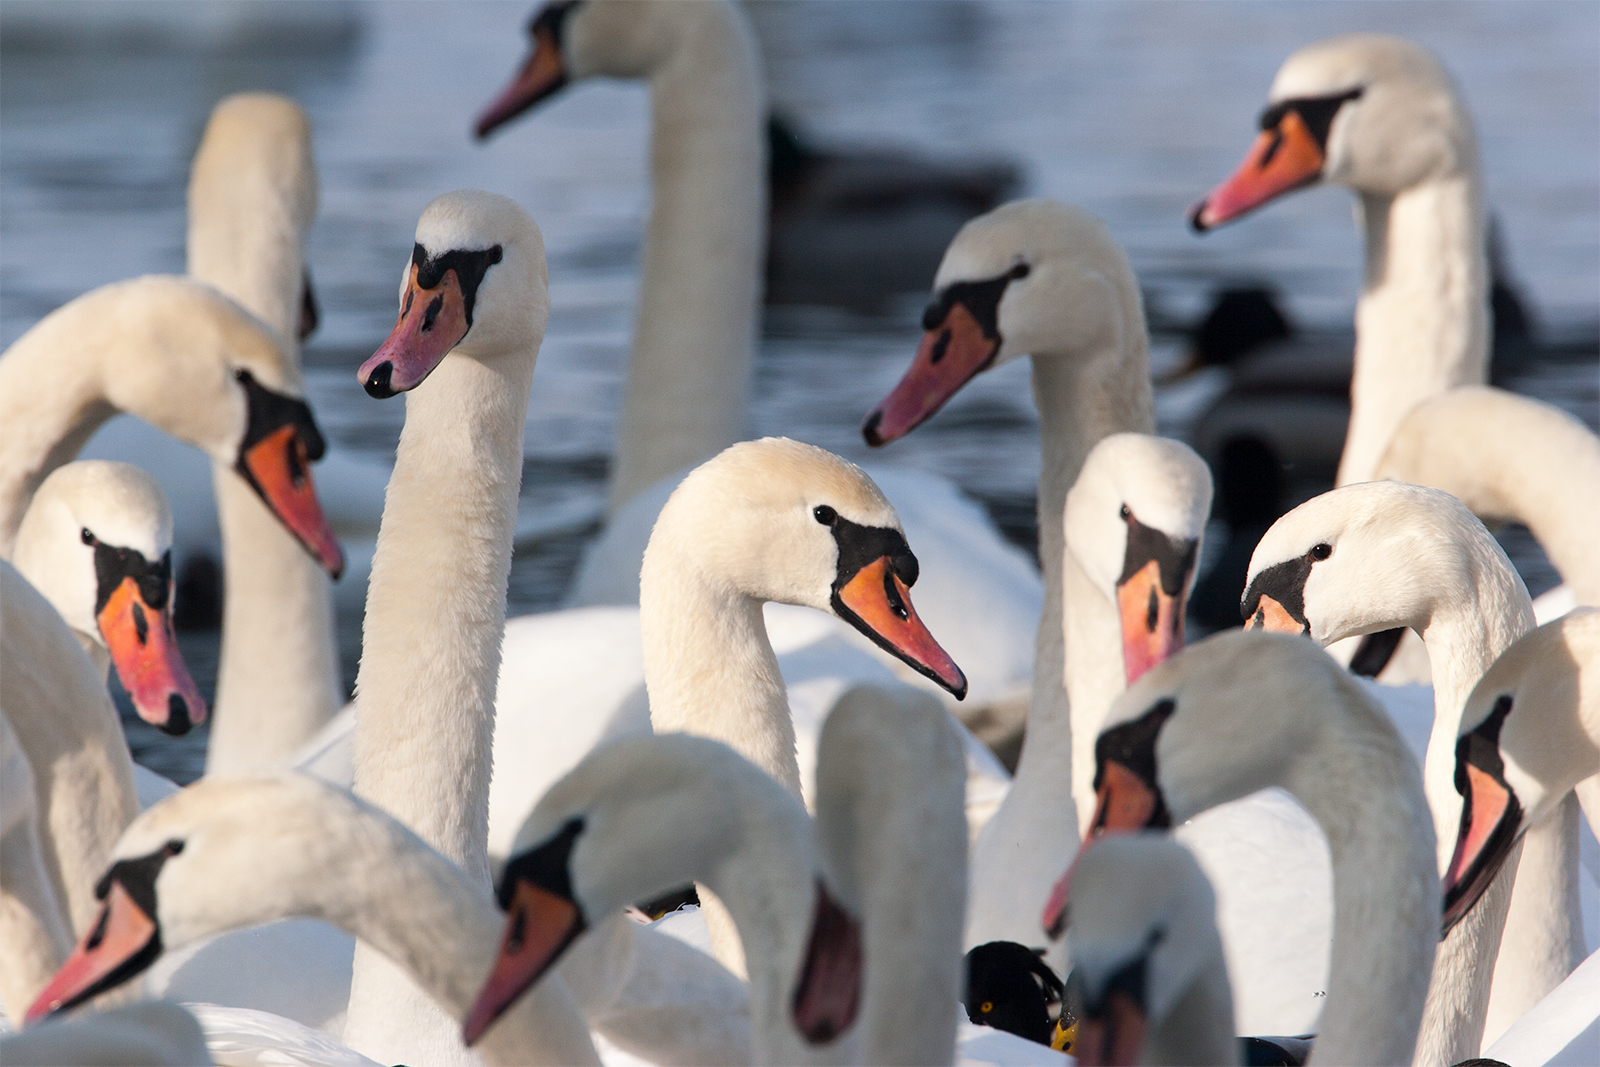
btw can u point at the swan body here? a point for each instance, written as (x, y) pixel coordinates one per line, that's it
(32, 928)
(1142, 910)
(153, 1034)
(1239, 712)
(1382, 117)
(1371, 556)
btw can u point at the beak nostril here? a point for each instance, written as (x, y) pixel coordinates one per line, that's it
(940, 347)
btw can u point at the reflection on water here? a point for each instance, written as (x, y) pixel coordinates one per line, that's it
(1130, 109)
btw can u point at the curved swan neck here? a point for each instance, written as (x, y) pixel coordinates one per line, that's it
(1199, 1028)
(689, 380)
(1422, 322)
(436, 605)
(1358, 781)
(709, 667)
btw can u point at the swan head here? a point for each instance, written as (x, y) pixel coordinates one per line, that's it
(570, 40)
(476, 285)
(637, 817)
(1522, 746)
(204, 861)
(776, 519)
(1369, 557)
(1134, 521)
(1142, 930)
(252, 197)
(97, 542)
(1032, 277)
(1374, 113)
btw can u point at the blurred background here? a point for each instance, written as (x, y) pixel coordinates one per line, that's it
(908, 116)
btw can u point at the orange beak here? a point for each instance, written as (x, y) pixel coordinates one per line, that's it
(432, 322)
(122, 943)
(1283, 158)
(1114, 1036)
(543, 74)
(1490, 819)
(148, 661)
(278, 466)
(539, 927)
(1275, 618)
(1152, 621)
(876, 602)
(950, 355)
(829, 991)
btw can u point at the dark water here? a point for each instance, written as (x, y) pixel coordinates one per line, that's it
(1130, 109)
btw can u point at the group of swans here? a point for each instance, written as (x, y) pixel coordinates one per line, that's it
(778, 521)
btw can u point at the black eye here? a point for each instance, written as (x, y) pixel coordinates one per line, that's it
(1125, 513)
(1021, 270)
(88, 538)
(825, 515)
(1320, 551)
(172, 848)
(241, 375)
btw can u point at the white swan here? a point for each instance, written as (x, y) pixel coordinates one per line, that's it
(1242, 711)
(694, 341)
(1382, 117)
(1133, 523)
(97, 543)
(1146, 955)
(232, 851)
(1375, 555)
(646, 813)
(182, 357)
(252, 197)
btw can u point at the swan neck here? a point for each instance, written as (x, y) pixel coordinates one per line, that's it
(709, 667)
(436, 605)
(31, 924)
(1422, 322)
(689, 378)
(1199, 1027)
(52, 400)
(1359, 783)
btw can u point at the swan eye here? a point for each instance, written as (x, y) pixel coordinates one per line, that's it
(1125, 513)
(1320, 551)
(172, 848)
(88, 538)
(986, 1007)
(825, 515)
(1021, 270)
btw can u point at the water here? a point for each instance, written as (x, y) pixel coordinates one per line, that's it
(1132, 110)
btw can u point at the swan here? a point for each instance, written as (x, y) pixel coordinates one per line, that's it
(181, 356)
(1368, 557)
(1381, 116)
(1239, 712)
(838, 957)
(97, 543)
(252, 197)
(694, 341)
(1147, 958)
(1529, 732)
(1133, 523)
(700, 290)
(234, 850)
